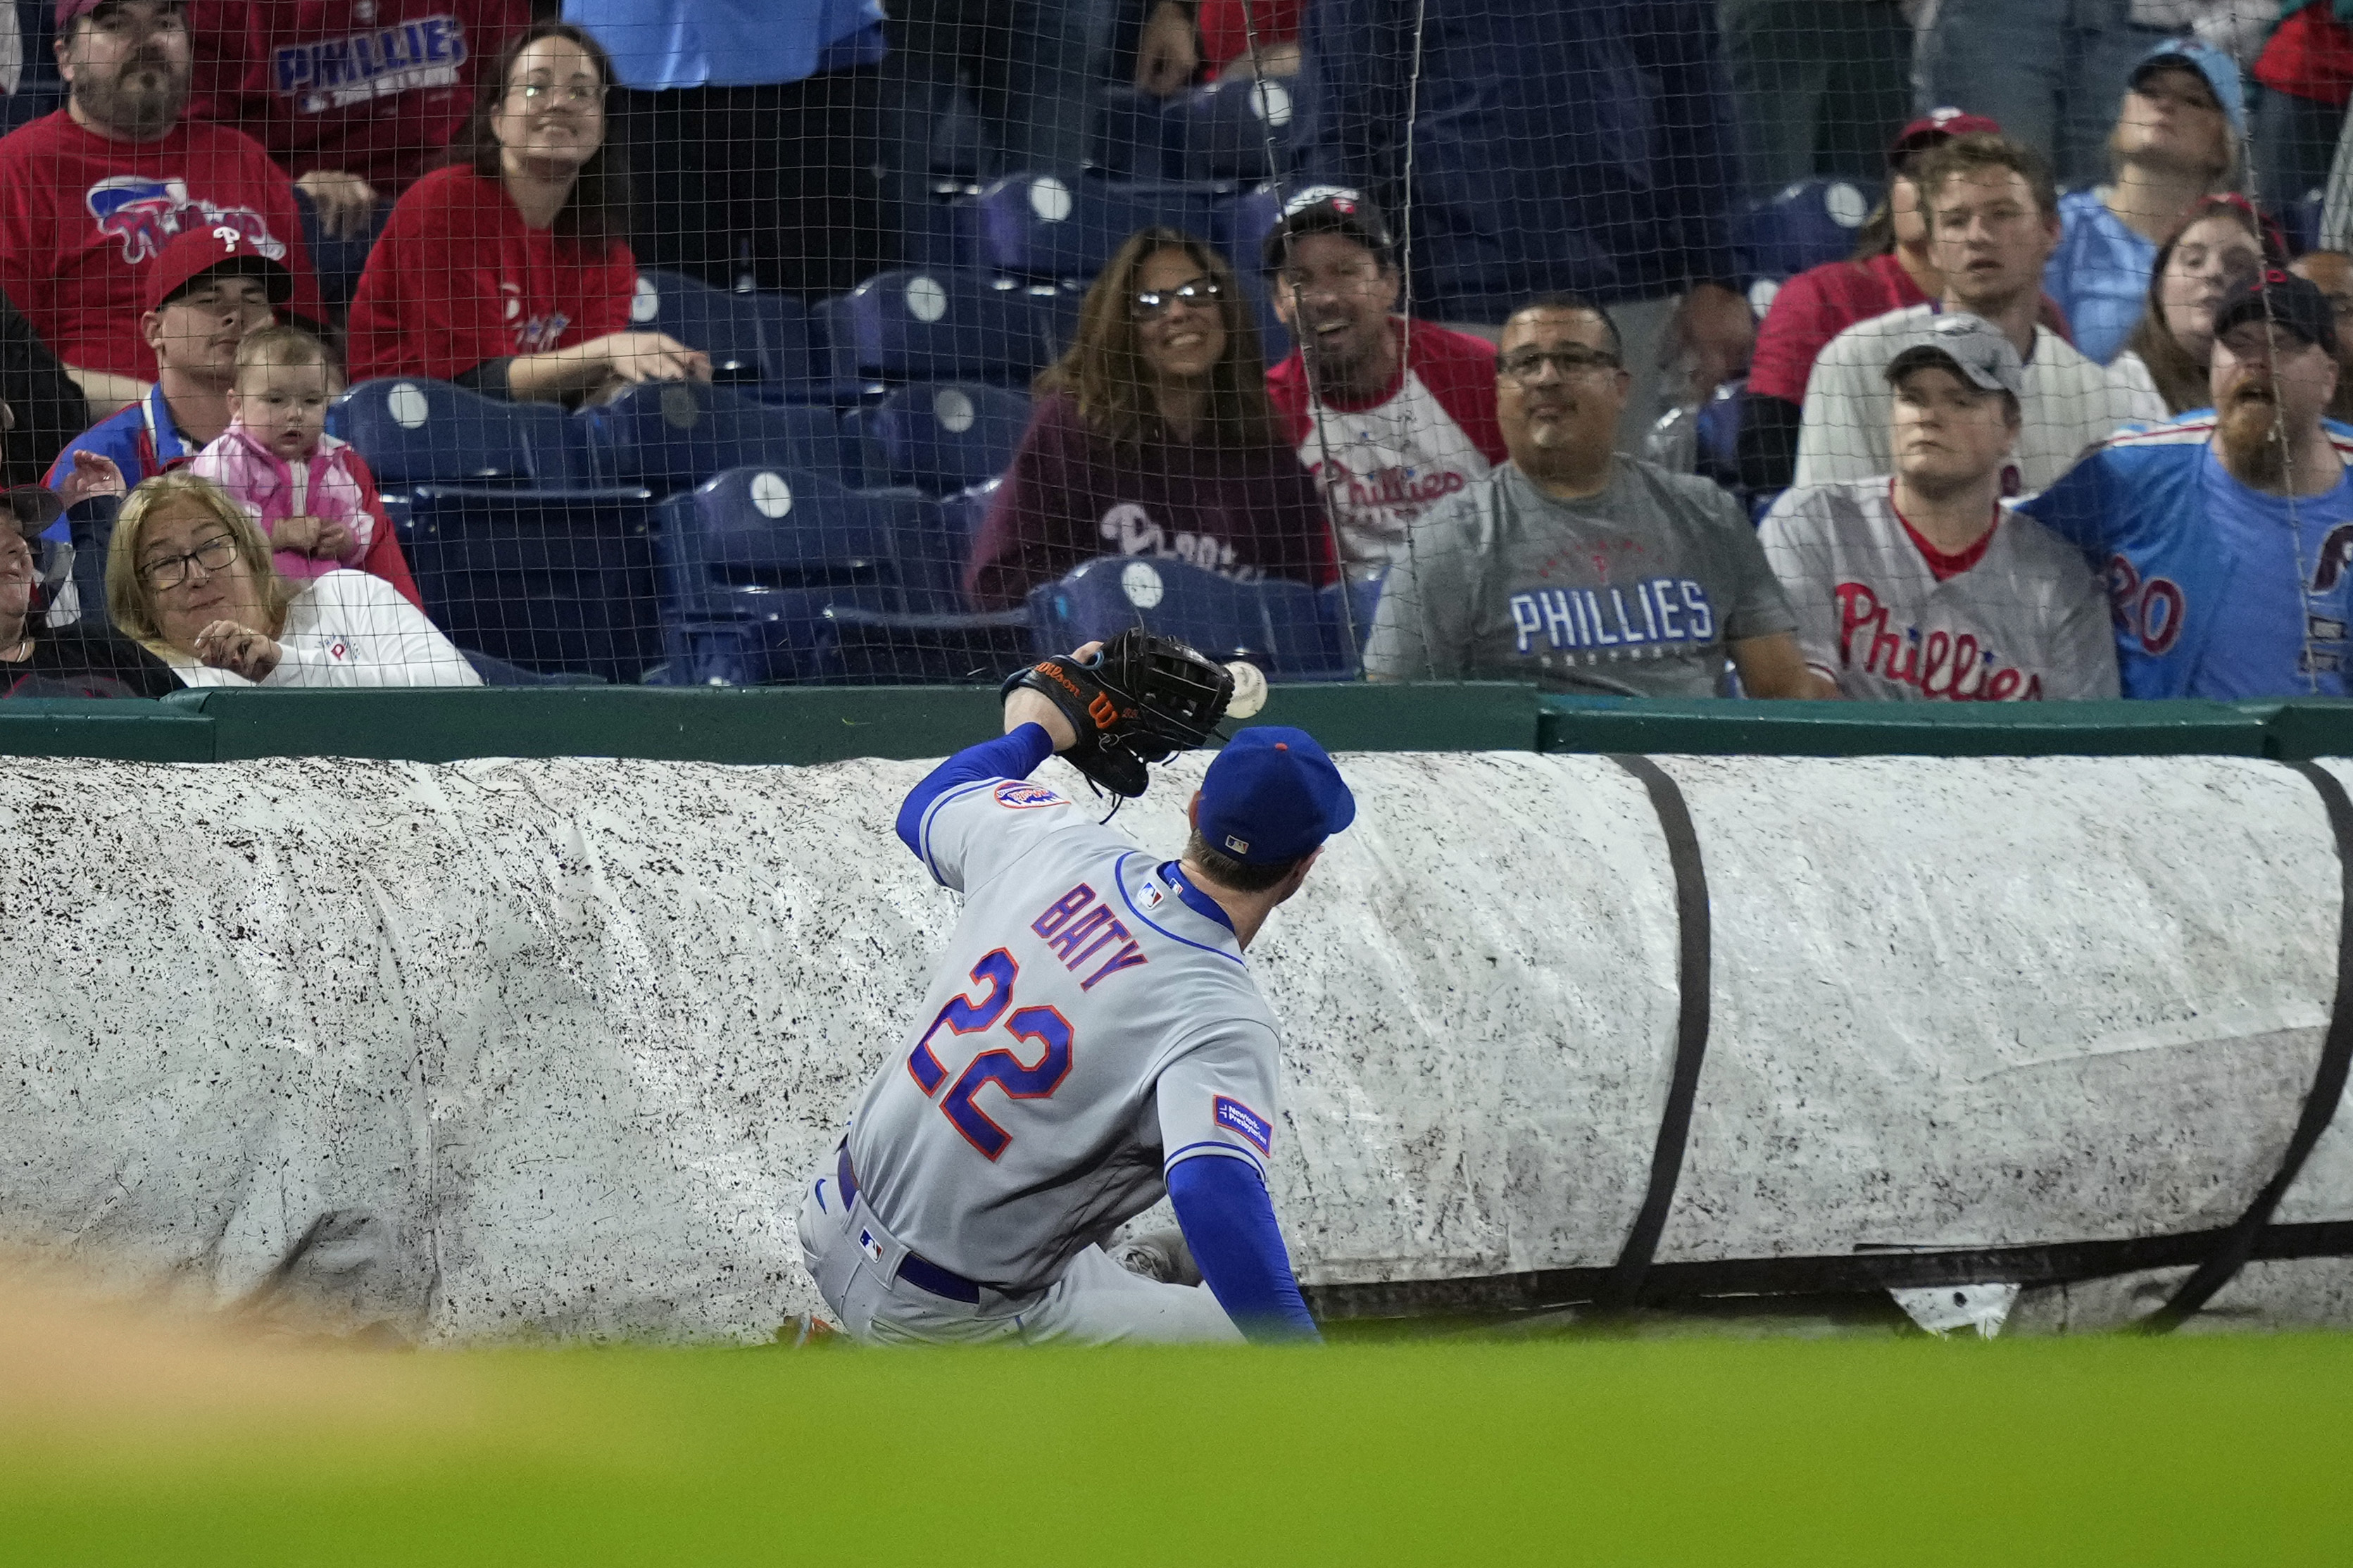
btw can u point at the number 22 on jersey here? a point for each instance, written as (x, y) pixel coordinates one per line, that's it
(965, 1015)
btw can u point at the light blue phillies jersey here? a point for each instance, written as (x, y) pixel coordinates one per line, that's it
(1091, 1023)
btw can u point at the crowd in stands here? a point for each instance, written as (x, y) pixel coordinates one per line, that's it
(2064, 424)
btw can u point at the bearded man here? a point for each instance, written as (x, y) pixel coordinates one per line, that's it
(2226, 538)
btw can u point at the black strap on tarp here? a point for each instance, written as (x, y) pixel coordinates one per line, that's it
(2237, 1242)
(1624, 1285)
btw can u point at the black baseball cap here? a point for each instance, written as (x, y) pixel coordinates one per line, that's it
(1326, 209)
(2281, 296)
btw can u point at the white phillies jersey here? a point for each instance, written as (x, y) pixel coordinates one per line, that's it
(1384, 464)
(2024, 620)
(1090, 1025)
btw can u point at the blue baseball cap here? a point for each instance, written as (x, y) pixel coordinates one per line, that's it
(2221, 72)
(1271, 796)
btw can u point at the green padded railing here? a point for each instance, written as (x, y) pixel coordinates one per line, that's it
(818, 724)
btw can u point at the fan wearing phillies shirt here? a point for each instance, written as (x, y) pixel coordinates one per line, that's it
(91, 195)
(1916, 584)
(1390, 416)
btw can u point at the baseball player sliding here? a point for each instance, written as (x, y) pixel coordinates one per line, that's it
(1091, 1038)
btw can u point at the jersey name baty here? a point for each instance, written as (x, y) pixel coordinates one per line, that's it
(2018, 618)
(1089, 1025)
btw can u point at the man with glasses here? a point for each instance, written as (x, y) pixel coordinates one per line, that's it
(1390, 416)
(2226, 538)
(1993, 220)
(91, 195)
(1574, 565)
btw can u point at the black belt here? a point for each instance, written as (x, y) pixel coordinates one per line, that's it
(914, 1268)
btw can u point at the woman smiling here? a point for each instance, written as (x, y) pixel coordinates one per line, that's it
(188, 576)
(1154, 437)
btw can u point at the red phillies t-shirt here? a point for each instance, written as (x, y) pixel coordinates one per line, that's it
(459, 279)
(377, 88)
(1385, 461)
(1228, 27)
(82, 217)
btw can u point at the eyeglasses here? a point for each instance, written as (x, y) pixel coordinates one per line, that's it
(1199, 294)
(572, 95)
(170, 571)
(1526, 366)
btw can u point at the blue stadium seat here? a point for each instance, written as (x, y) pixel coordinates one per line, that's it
(1236, 130)
(1282, 628)
(1243, 223)
(1136, 137)
(1067, 226)
(2299, 222)
(416, 431)
(752, 558)
(1805, 225)
(938, 325)
(552, 580)
(942, 439)
(758, 343)
(674, 435)
(1348, 606)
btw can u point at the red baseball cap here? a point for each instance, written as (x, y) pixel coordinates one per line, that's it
(1939, 125)
(207, 247)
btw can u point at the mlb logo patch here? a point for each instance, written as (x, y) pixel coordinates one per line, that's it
(868, 1244)
(1241, 1119)
(1020, 794)
(1153, 894)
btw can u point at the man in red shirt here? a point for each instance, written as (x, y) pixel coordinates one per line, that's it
(91, 195)
(1390, 416)
(355, 99)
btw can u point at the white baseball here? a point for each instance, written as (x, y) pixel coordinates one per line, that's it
(1249, 691)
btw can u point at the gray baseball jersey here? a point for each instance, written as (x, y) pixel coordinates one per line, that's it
(1091, 1024)
(1636, 591)
(2020, 618)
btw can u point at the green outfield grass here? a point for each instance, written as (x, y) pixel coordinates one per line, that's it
(1711, 1449)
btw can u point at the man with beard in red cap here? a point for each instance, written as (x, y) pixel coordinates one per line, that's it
(2226, 538)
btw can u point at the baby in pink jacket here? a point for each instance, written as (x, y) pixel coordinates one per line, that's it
(277, 462)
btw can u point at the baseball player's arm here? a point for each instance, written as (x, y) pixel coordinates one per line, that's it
(1229, 1222)
(1034, 730)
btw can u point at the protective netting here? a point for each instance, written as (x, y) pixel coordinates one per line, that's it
(748, 342)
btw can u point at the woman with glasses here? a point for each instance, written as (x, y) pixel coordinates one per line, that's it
(506, 271)
(1154, 437)
(188, 577)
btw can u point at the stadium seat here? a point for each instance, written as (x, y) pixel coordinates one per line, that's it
(1242, 225)
(944, 438)
(1067, 226)
(414, 431)
(2299, 222)
(1224, 619)
(551, 580)
(1235, 128)
(1348, 606)
(499, 672)
(1807, 223)
(942, 325)
(1136, 138)
(751, 559)
(757, 343)
(674, 435)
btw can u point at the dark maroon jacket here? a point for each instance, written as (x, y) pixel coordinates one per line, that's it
(1072, 495)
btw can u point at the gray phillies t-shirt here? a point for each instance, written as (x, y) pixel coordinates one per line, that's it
(1634, 592)
(1091, 1024)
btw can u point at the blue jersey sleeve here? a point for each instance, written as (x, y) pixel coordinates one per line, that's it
(1229, 1222)
(2078, 507)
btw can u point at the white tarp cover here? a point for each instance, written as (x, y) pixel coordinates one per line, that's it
(548, 1048)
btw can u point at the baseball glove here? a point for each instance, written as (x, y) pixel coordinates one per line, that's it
(1141, 699)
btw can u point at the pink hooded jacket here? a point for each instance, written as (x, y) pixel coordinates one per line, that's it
(270, 489)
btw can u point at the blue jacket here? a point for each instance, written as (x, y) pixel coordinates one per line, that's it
(142, 440)
(2133, 504)
(1558, 144)
(658, 43)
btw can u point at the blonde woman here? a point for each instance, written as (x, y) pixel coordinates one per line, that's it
(188, 577)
